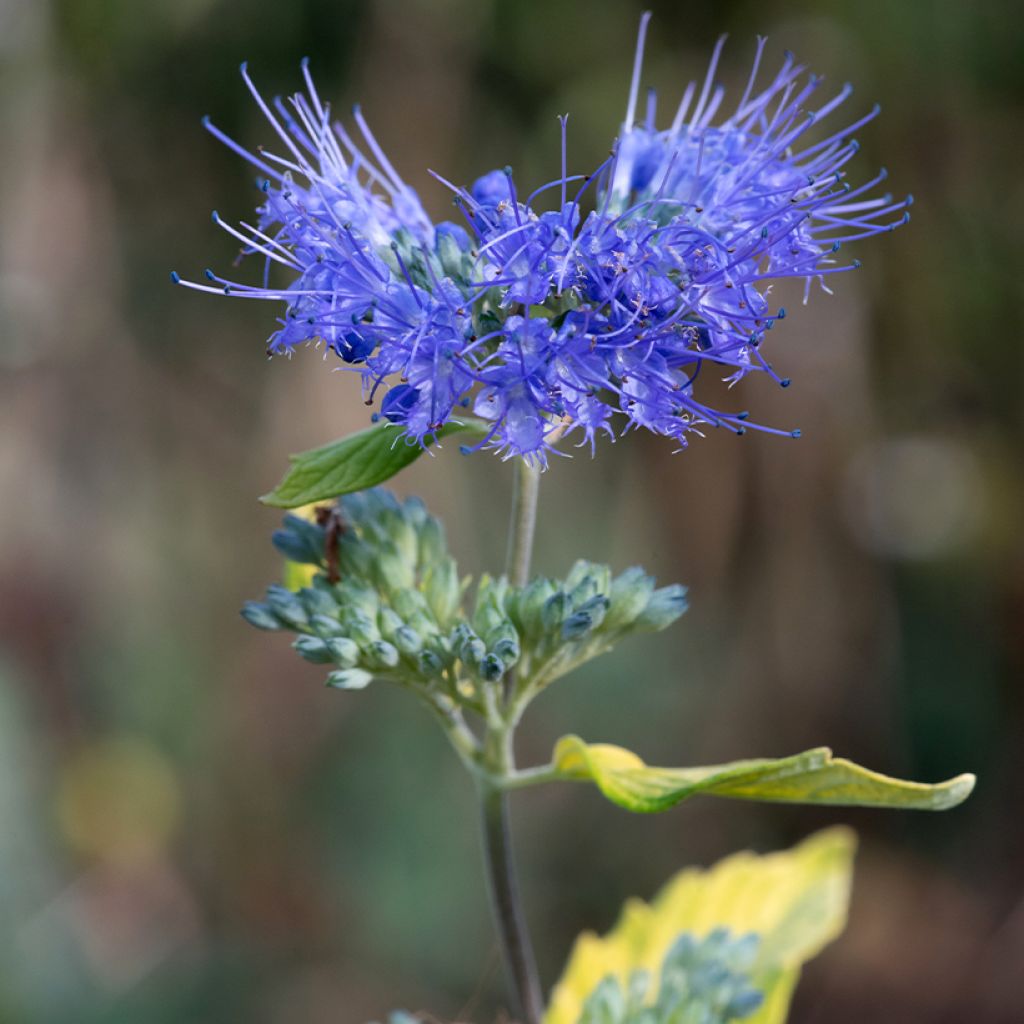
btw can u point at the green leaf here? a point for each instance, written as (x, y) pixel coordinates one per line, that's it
(356, 462)
(814, 777)
(796, 901)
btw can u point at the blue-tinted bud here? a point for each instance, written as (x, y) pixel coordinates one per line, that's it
(313, 649)
(344, 652)
(430, 663)
(286, 606)
(492, 668)
(630, 593)
(326, 626)
(664, 607)
(596, 608)
(317, 602)
(381, 654)
(583, 591)
(349, 679)
(576, 625)
(407, 640)
(260, 616)
(529, 607)
(555, 610)
(296, 547)
(361, 628)
(508, 651)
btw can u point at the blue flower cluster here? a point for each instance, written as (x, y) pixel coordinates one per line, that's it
(591, 305)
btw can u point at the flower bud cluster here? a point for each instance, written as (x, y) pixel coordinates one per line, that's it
(387, 602)
(704, 981)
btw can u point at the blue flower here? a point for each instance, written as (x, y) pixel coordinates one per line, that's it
(592, 305)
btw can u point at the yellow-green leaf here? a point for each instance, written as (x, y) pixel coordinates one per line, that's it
(356, 462)
(813, 777)
(795, 900)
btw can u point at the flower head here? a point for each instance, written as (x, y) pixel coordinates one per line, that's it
(591, 305)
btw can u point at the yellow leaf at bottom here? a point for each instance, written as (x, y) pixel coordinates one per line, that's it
(795, 900)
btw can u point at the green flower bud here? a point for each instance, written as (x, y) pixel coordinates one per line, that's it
(596, 608)
(317, 601)
(664, 607)
(357, 596)
(313, 649)
(555, 610)
(389, 622)
(380, 654)
(630, 593)
(326, 626)
(508, 650)
(409, 602)
(286, 606)
(344, 652)
(526, 605)
(300, 540)
(468, 647)
(432, 547)
(404, 533)
(392, 569)
(577, 626)
(355, 559)
(583, 591)
(600, 577)
(407, 641)
(361, 628)
(492, 668)
(423, 623)
(349, 679)
(260, 616)
(442, 590)
(430, 663)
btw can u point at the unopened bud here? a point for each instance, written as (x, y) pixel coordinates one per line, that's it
(381, 654)
(664, 607)
(555, 610)
(349, 679)
(286, 606)
(442, 590)
(260, 616)
(630, 593)
(317, 601)
(407, 640)
(313, 649)
(326, 626)
(344, 652)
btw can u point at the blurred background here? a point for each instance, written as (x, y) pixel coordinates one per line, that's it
(191, 827)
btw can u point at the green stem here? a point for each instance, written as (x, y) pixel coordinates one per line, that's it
(517, 950)
(524, 520)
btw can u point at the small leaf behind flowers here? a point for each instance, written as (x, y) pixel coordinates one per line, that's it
(355, 463)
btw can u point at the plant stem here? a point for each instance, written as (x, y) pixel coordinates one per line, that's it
(524, 519)
(516, 947)
(517, 950)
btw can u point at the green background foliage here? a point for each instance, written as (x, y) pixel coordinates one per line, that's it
(285, 852)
